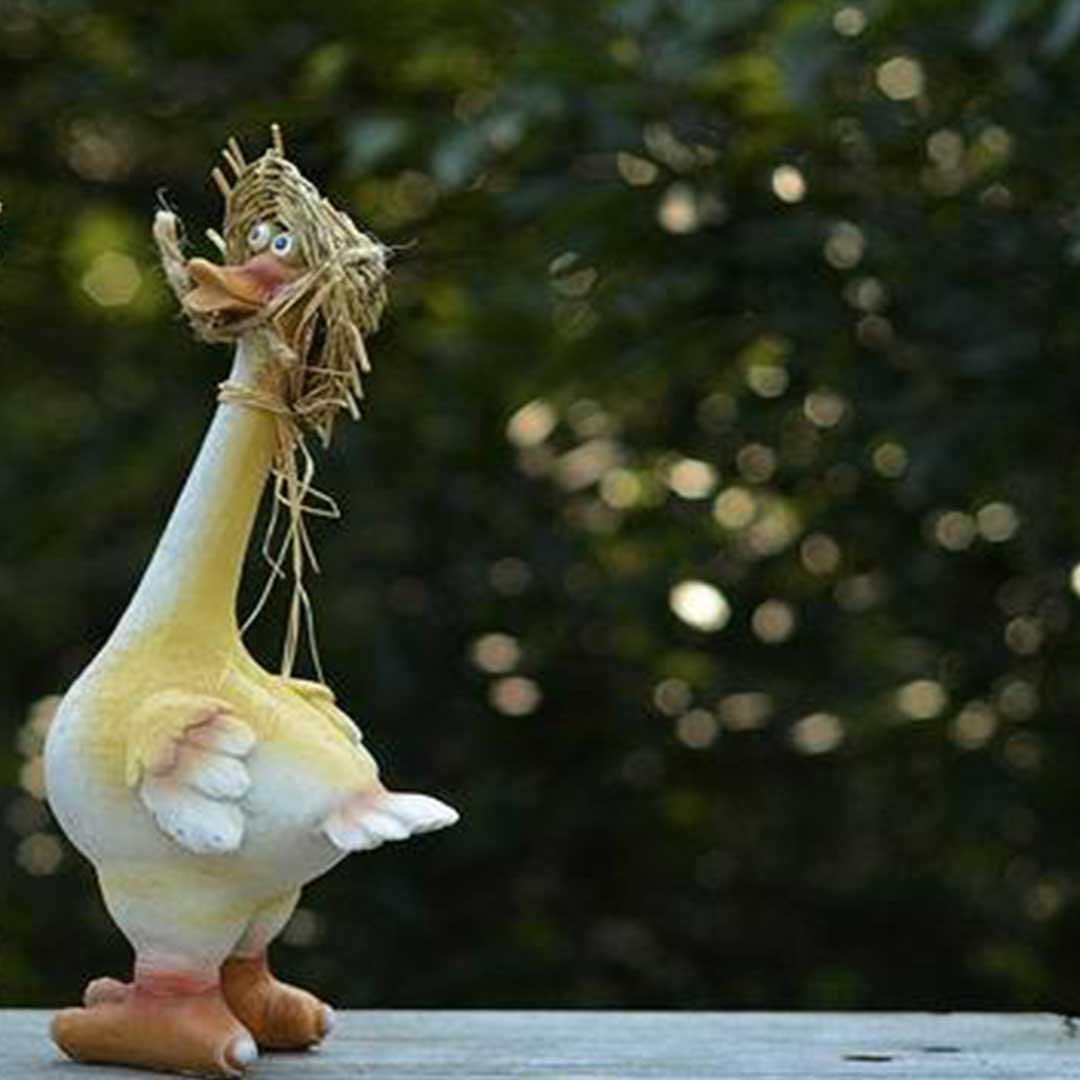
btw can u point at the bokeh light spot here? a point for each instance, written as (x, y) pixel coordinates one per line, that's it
(767, 380)
(531, 424)
(39, 854)
(825, 408)
(849, 21)
(890, 460)
(1045, 900)
(954, 530)
(672, 696)
(112, 280)
(495, 653)
(1024, 635)
(586, 464)
(860, 592)
(621, 489)
(697, 729)
(756, 462)
(845, 245)
(510, 576)
(997, 522)
(945, 148)
(515, 695)
(636, 171)
(901, 78)
(734, 508)
(973, 726)
(820, 554)
(700, 605)
(922, 699)
(1024, 751)
(818, 733)
(691, 479)
(773, 621)
(746, 711)
(677, 210)
(1018, 699)
(788, 184)
(576, 284)
(867, 294)
(775, 526)
(32, 777)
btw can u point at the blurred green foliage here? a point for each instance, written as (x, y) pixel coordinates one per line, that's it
(710, 536)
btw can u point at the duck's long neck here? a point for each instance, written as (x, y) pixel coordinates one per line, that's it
(193, 577)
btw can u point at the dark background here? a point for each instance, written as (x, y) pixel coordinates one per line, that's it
(775, 297)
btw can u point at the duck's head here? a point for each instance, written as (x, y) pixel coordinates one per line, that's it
(294, 267)
(235, 291)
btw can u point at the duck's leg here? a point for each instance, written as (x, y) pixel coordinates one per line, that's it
(280, 1016)
(172, 1019)
(173, 1015)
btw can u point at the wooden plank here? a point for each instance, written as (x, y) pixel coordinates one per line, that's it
(375, 1045)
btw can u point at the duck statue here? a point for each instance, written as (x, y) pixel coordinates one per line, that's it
(205, 789)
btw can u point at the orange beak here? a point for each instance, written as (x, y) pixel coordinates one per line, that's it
(236, 291)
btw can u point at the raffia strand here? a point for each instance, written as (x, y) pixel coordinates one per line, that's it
(313, 331)
(294, 496)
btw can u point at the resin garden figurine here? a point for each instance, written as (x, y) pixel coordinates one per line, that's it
(205, 789)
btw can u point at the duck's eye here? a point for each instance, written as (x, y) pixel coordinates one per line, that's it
(283, 245)
(259, 235)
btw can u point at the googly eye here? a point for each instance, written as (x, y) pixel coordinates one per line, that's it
(259, 235)
(283, 245)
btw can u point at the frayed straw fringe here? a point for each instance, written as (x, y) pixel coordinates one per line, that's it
(328, 310)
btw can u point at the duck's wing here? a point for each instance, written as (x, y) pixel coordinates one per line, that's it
(186, 755)
(368, 819)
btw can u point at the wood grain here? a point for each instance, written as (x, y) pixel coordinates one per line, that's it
(374, 1045)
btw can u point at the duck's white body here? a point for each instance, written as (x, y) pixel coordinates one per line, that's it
(204, 789)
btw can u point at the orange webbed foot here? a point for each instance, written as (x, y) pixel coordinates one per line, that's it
(174, 1031)
(279, 1016)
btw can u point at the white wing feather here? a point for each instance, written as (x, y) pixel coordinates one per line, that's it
(187, 756)
(366, 821)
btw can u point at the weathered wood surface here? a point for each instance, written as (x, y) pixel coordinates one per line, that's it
(626, 1046)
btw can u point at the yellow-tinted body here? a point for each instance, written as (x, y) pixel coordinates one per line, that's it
(143, 735)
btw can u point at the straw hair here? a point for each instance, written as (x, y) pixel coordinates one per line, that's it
(314, 330)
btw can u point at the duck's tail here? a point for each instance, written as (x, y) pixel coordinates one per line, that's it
(368, 820)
